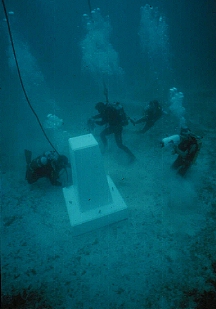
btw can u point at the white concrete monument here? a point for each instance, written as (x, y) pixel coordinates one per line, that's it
(93, 200)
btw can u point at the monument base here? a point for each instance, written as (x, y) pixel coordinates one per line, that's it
(87, 221)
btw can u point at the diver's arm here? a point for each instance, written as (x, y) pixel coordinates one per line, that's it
(141, 120)
(98, 122)
(181, 153)
(192, 149)
(96, 116)
(54, 174)
(187, 153)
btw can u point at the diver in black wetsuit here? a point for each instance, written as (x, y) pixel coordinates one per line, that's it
(187, 150)
(48, 165)
(107, 114)
(152, 113)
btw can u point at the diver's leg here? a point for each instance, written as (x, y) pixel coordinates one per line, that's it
(103, 135)
(118, 138)
(183, 169)
(177, 163)
(147, 126)
(31, 176)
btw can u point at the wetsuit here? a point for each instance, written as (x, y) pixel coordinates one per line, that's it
(152, 114)
(189, 147)
(111, 117)
(48, 165)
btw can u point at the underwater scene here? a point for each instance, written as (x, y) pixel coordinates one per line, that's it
(107, 154)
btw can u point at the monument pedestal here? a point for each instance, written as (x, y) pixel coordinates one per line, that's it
(93, 200)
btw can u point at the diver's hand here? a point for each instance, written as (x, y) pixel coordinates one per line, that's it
(132, 121)
(175, 148)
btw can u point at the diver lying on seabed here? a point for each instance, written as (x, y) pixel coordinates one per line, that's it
(49, 165)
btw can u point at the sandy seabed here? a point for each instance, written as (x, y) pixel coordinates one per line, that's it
(160, 257)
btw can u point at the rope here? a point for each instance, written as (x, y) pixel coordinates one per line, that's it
(20, 77)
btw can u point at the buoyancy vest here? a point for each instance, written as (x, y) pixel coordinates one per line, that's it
(121, 117)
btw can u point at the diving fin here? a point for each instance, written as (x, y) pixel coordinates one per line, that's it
(28, 156)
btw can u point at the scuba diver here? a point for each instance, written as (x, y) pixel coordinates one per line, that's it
(187, 150)
(151, 114)
(48, 165)
(111, 116)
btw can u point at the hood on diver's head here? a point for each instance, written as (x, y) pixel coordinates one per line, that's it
(185, 131)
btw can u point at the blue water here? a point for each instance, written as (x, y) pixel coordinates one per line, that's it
(140, 51)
